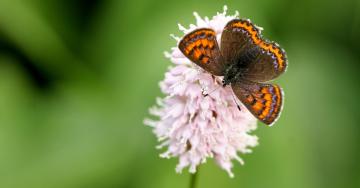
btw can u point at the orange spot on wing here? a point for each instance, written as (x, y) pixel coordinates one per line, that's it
(257, 106)
(205, 60)
(197, 54)
(267, 97)
(264, 113)
(250, 99)
(279, 98)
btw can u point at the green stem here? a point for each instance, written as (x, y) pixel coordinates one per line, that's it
(193, 179)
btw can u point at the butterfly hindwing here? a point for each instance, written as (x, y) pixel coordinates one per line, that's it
(264, 101)
(240, 36)
(201, 47)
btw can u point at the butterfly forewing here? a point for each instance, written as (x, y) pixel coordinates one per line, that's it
(240, 37)
(235, 42)
(201, 47)
(264, 101)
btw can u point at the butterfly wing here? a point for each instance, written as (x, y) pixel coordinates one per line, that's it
(234, 42)
(269, 60)
(264, 101)
(201, 47)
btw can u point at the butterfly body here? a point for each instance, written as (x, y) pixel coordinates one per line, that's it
(235, 70)
(245, 61)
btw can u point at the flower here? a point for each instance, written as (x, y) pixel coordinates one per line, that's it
(194, 127)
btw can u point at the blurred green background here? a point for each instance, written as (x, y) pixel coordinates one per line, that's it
(77, 78)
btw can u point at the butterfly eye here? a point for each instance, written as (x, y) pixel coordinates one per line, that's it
(224, 83)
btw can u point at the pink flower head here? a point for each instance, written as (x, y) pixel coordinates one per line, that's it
(193, 127)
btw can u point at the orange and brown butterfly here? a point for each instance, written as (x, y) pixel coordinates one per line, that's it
(245, 60)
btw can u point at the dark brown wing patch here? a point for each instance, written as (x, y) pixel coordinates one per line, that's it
(271, 61)
(201, 47)
(264, 101)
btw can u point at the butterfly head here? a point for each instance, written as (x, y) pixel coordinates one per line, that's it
(225, 81)
(231, 74)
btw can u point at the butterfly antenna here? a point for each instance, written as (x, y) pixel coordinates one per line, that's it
(207, 94)
(236, 102)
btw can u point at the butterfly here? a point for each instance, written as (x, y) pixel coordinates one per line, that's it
(245, 60)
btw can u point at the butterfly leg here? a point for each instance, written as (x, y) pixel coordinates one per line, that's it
(203, 92)
(237, 104)
(207, 94)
